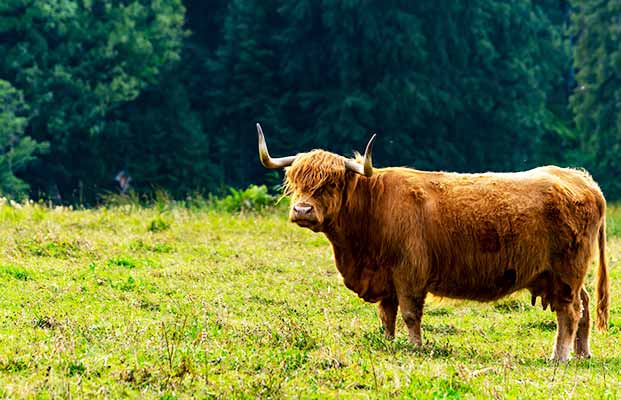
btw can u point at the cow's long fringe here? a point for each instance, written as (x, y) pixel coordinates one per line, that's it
(313, 170)
(602, 285)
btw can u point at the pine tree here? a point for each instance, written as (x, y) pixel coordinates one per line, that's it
(597, 99)
(454, 85)
(77, 62)
(16, 149)
(244, 87)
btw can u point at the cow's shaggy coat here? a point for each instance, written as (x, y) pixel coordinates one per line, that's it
(402, 233)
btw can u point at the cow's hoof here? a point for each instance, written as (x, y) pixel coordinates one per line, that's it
(559, 359)
(584, 355)
(416, 343)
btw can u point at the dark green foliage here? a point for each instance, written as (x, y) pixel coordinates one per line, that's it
(14, 272)
(596, 98)
(158, 225)
(451, 85)
(56, 249)
(16, 149)
(253, 198)
(169, 91)
(165, 145)
(76, 62)
(124, 262)
(76, 368)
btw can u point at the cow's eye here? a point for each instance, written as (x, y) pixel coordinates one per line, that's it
(329, 187)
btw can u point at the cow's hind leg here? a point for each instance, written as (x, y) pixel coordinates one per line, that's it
(567, 317)
(581, 344)
(412, 312)
(388, 314)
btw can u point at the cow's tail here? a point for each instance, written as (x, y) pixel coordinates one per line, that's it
(602, 285)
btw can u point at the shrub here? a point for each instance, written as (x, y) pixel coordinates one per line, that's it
(158, 224)
(253, 198)
(14, 272)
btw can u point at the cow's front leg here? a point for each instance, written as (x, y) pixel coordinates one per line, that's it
(388, 314)
(412, 312)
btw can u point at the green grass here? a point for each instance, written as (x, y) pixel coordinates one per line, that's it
(145, 303)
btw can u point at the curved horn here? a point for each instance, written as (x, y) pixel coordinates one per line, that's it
(264, 156)
(366, 168)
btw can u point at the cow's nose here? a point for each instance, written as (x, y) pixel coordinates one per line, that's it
(302, 209)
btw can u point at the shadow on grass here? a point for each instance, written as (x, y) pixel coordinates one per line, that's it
(376, 340)
(612, 363)
(545, 326)
(442, 329)
(510, 306)
(437, 311)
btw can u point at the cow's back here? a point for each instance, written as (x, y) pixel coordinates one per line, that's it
(490, 234)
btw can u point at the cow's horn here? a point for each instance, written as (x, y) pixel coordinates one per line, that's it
(264, 156)
(366, 168)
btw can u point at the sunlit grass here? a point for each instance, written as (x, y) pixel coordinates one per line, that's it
(173, 303)
(613, 220)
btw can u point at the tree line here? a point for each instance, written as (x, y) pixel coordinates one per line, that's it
(168, 91)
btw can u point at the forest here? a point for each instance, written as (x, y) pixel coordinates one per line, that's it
(168, 91)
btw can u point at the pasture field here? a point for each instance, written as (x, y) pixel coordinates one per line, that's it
(167, 302)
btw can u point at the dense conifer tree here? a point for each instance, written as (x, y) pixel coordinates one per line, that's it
(597, 99)
(16, 149)
(75, 62)
(169, 91)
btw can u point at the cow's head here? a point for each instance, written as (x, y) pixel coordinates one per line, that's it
(316, 181)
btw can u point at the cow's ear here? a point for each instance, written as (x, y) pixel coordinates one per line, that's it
(366, 168)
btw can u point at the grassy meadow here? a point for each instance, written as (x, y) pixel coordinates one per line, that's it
(169, 302)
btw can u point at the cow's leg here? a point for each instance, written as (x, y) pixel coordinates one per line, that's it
(567, 317)
(581, 344)
(388, 314)
(412, 312)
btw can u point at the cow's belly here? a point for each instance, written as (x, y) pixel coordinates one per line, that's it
(485, 290)
(485, 281)
(489, 260)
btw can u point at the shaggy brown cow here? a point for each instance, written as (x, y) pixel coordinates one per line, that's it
(400, 233)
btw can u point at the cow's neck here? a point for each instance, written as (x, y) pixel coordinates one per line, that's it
(356, 238)
(354, 224)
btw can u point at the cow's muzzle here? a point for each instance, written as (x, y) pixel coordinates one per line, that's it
(302, 209)
(303, 214)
